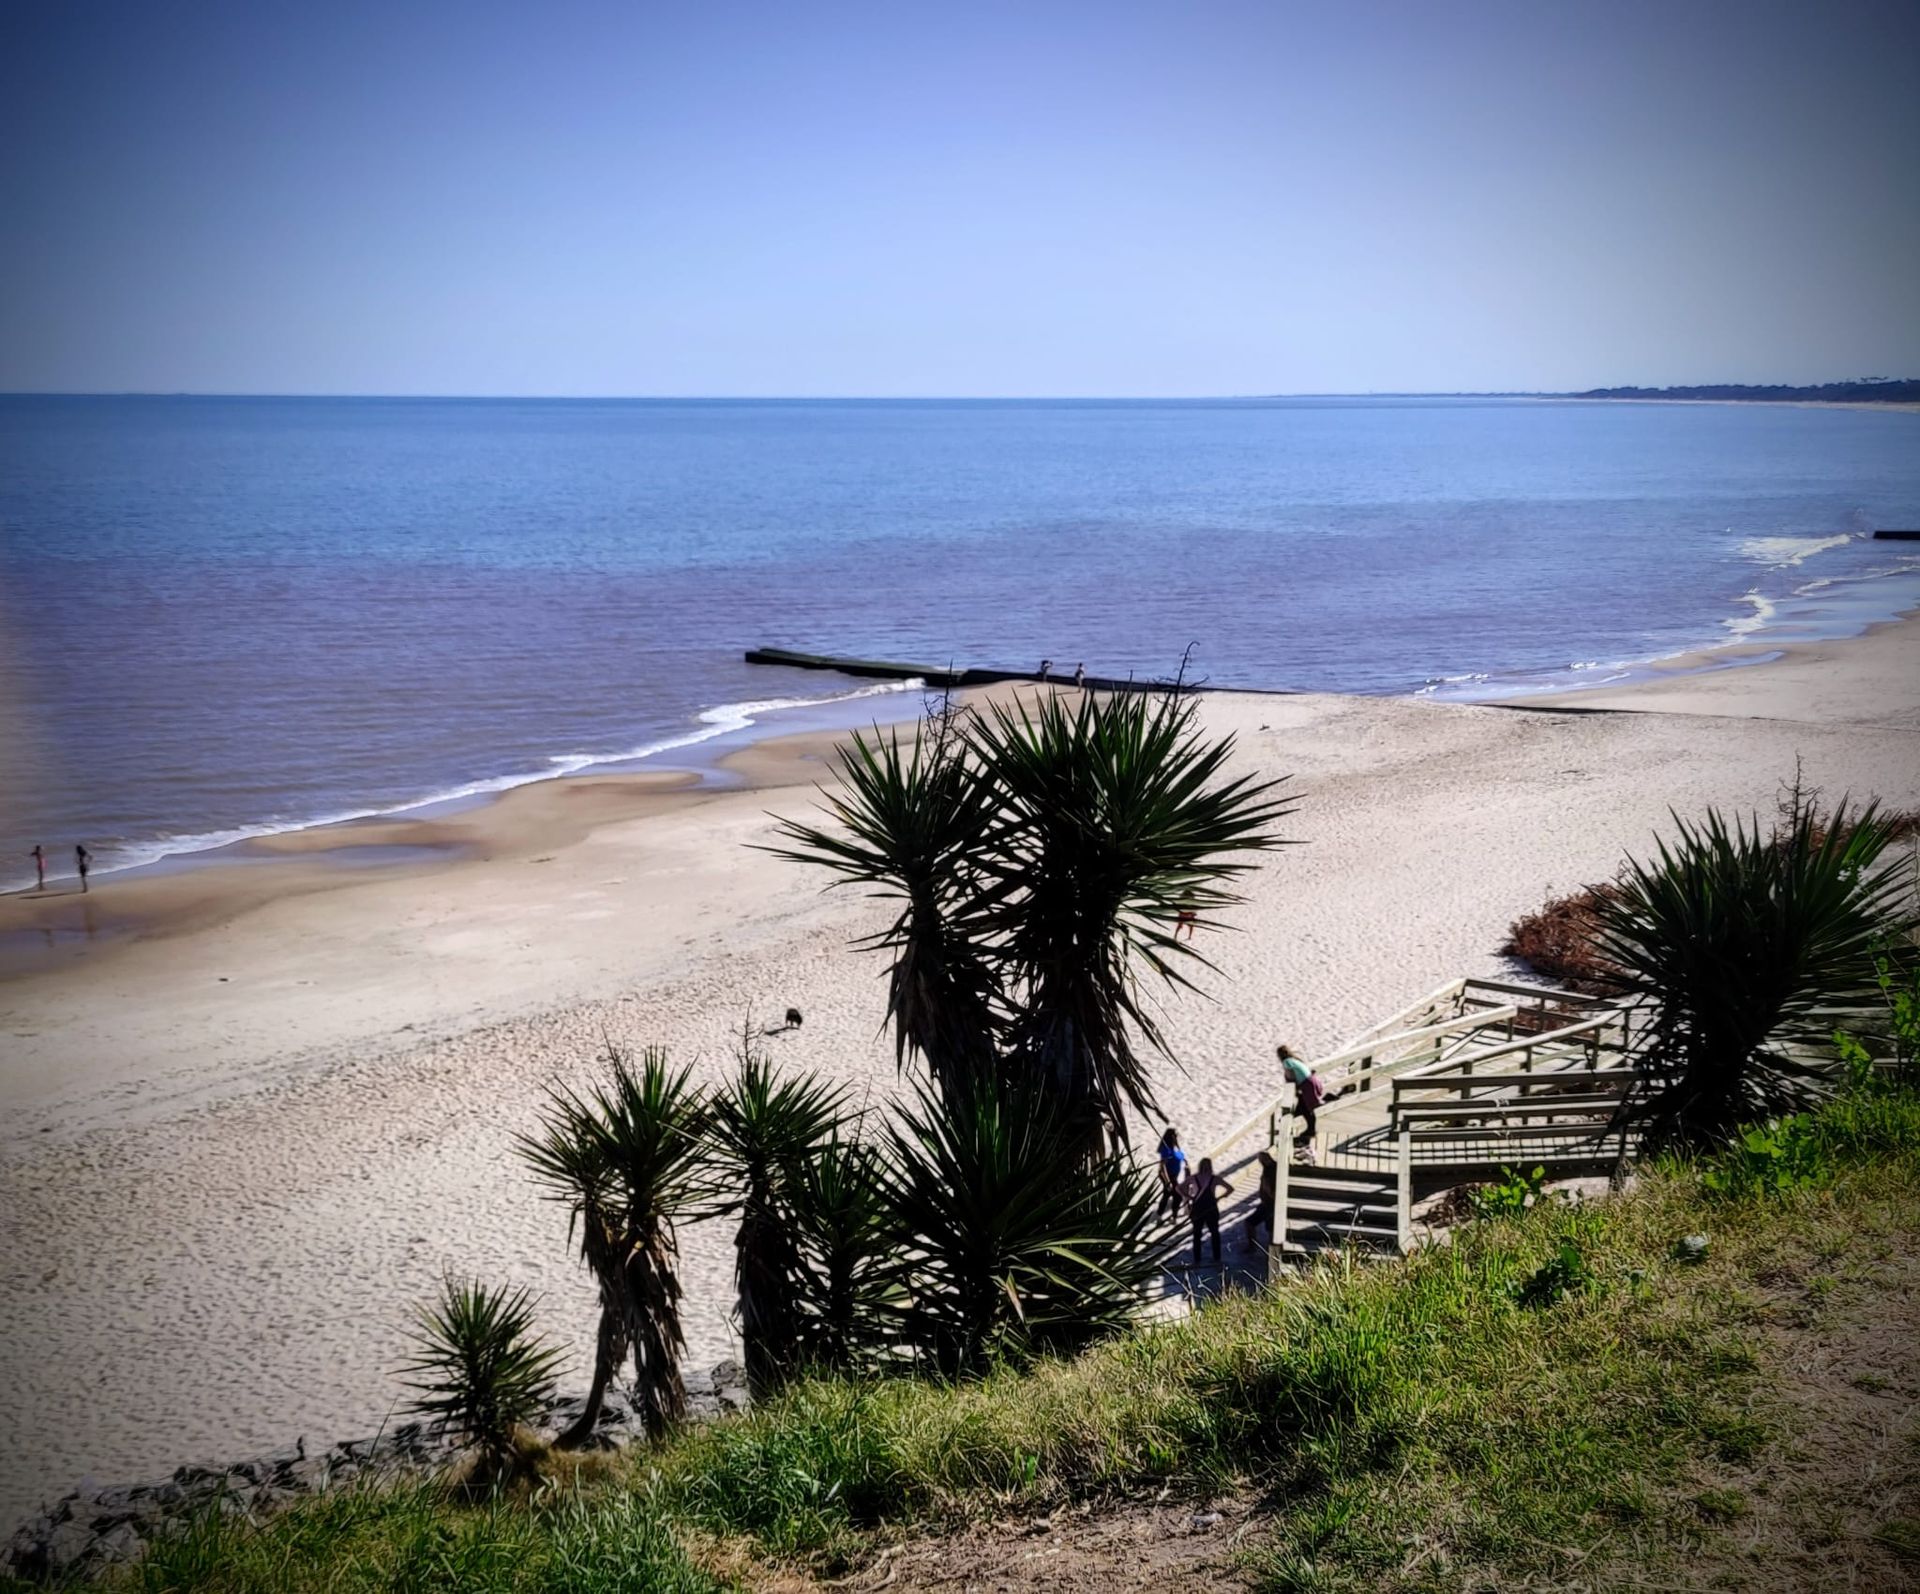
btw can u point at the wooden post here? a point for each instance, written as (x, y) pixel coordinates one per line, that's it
(1283, 1156)
(1404, 1222)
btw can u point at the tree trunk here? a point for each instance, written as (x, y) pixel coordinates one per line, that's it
(609, 1349)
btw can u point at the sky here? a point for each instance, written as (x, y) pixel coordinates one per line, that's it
(888, 199)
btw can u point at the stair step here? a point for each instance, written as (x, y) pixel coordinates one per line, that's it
(1342, 1210)
(1340, 1231)
(1358, 1181)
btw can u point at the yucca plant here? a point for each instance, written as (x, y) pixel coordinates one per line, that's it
(849, 1281)
(1012, 1241)
(918, 825)
(1120, 818)
(481, 1371)
(1044, 857)
(765, 1129)
(1749, 947)
(628, 1159)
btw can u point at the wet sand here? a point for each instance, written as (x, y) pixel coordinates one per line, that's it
(269, 1106)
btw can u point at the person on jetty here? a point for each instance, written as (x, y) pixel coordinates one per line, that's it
(1263, 1206)
(1308, 1093)
(39, 857)
(1203, 1207)
(83, 861)
(1173, 1174)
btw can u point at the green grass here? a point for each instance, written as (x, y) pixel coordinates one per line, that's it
(1559, 1397)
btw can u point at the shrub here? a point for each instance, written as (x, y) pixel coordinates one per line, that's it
(1511, 1194)
(481, 1370)
(1743, 944)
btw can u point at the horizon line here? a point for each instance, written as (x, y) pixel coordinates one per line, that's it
(917, 398)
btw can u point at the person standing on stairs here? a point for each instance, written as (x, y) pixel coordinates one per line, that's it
(1204, 1191)
(1308, 1093)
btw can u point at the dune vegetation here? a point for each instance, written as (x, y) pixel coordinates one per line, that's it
(1707, 1380)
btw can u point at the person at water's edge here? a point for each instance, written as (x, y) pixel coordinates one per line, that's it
(83, 861)
(1203, 1207)
(39, 857)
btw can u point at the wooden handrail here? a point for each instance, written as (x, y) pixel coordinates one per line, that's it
(1527, 1043)
(1443, 993)
(1547, 993)
(1406, 1084)
(1274, 1105)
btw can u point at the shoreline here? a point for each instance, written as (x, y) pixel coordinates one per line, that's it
(195, 888)
(233, 1153)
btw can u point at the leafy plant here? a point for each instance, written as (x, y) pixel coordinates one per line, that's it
(1508, 1196)
(481, 1371)
(765, 1131)
(848, 1287)
(1043, 856)
(1563, 1274)
(1768, 1160)
(628, 1160)
(1014, 1242)
(1746, 945)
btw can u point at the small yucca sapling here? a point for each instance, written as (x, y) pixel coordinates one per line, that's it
(481, 1371)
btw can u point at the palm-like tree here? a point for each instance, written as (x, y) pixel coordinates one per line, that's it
(1043, 856)
(1013, 1241)
(918, 826)
(1749, 946)
(849, 1283)
(626, 1158)
(481, 1370)
(766, 1131)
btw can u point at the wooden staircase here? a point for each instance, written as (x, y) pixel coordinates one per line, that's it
(1477, 1075)
(1349, 1209)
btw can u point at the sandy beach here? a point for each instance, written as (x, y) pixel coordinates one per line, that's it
(264, 1108)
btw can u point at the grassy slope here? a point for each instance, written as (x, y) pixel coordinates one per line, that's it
(1744, 1421)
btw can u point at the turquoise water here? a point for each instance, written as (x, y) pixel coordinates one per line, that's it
(222, 616)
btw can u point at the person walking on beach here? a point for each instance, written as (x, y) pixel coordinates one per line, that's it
(1263, 1207)
(83, 861)
(1308, 1093)
(1080, 676)
(1203, 1207)
(39, 857)
(1046, 668)
(1173, 1174)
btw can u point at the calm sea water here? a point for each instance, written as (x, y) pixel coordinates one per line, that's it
(221, 616)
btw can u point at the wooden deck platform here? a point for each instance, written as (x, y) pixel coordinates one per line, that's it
(1478, 1075)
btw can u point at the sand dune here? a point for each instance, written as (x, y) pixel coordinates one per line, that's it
(243, 1133)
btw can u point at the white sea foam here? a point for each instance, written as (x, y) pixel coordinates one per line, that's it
(1746, 624)
(1783, 553)
(721, 721)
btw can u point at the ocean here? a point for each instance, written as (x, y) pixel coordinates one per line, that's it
(222, 617)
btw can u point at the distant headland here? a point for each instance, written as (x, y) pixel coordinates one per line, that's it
(1868, 390)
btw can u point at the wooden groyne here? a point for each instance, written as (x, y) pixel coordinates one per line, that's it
(1896, 536)
(936, 676)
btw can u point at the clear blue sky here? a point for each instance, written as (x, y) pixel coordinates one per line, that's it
(957, 198)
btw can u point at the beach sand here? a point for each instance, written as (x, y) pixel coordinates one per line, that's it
(266, 1108)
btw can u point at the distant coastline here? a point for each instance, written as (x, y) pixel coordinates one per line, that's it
(1876, 390)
